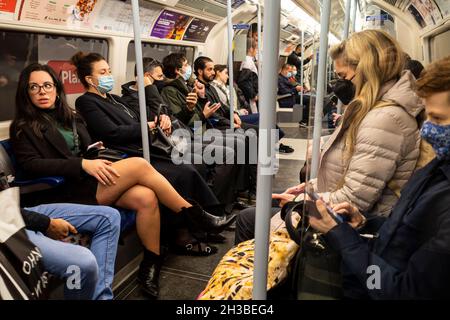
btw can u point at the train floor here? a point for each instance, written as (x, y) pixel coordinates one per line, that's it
(184, 277)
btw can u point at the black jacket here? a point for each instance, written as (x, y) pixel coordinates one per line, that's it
(175, 93)
(286, 87)
(413, 248)
(248, 83)
(35, 221)
(155, 104)
(295, 60)
(50, 156)
(153, 100)
(111, 120)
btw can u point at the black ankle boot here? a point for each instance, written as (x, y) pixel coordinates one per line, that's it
(148, 274)
(200, 219)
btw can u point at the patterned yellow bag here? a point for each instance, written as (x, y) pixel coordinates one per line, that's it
(233, 277)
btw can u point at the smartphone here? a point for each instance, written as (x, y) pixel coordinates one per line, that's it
(96, 145)
(314, 196)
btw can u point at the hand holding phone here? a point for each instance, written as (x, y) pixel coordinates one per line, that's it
(314, 196)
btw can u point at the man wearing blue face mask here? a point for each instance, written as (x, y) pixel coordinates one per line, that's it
(287, 88)
(409, 256)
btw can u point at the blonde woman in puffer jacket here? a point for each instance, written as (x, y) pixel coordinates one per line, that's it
(374, 150)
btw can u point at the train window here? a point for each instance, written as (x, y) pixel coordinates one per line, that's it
(156, 51)
(440, 45)
(19, 49)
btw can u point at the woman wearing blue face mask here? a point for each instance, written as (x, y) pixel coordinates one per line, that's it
(410, 256)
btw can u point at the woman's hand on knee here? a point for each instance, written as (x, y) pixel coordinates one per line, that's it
(101, 170)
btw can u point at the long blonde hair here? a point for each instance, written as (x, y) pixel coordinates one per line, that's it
(376, 58)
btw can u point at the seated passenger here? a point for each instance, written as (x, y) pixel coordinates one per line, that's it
(410, 258)
(285, 87)
(219, 84)
(47, 224)
(372, 154)
(191, 105)
(109, 119)
(204, 70)
(45, 143)
(219, 176)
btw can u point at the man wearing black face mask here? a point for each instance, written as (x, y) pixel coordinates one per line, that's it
(154, 82)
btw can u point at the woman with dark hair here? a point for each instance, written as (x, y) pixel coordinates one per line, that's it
(112, 120)
(45, 143)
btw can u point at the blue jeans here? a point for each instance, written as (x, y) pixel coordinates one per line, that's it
(96, 265)
(254, 119)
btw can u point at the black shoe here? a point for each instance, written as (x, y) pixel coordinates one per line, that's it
(200, 219)
(247, 197)
(303, 124)
(285, 149)
(240, 205)
(148, 274)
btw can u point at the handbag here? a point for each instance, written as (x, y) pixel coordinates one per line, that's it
(316, 266)
(104, 154)
(96, 152)
(162, 144)
(22, 274)
(233, 276)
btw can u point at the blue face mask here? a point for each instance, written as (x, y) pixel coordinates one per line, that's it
(105, 84)
(187, 75)
(439, 138)
(289, 74)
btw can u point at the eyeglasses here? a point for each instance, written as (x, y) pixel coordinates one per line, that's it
(34, 88)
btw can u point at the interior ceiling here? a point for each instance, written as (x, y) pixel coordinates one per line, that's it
(312, 7)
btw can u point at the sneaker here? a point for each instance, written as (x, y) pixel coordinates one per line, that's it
(285, 149)
(303, 124)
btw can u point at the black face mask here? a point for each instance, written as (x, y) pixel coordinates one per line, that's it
(344, 90)
(160, 84)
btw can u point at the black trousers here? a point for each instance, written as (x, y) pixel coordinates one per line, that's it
(245, 224)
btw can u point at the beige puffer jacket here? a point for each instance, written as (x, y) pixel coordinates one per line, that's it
(386, 152)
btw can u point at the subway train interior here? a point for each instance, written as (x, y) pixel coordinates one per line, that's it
(280, 149)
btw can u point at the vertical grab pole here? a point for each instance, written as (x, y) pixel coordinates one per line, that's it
(301, 68)
(266, 148)
(230, 62)
(259, 45)
(353, 15)
(324, 27)
(345, 36)
(348, 4)
(140, 74)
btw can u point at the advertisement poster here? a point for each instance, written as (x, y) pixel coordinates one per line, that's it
(66, 72)
(444, 7)
(117, 16)
(428, 10)
(73, 13)
(417, 16)
(170, 25)
(198, 30)
(7, 9)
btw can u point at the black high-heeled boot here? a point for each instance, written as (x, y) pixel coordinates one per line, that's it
(148, 274)
(200, 219)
